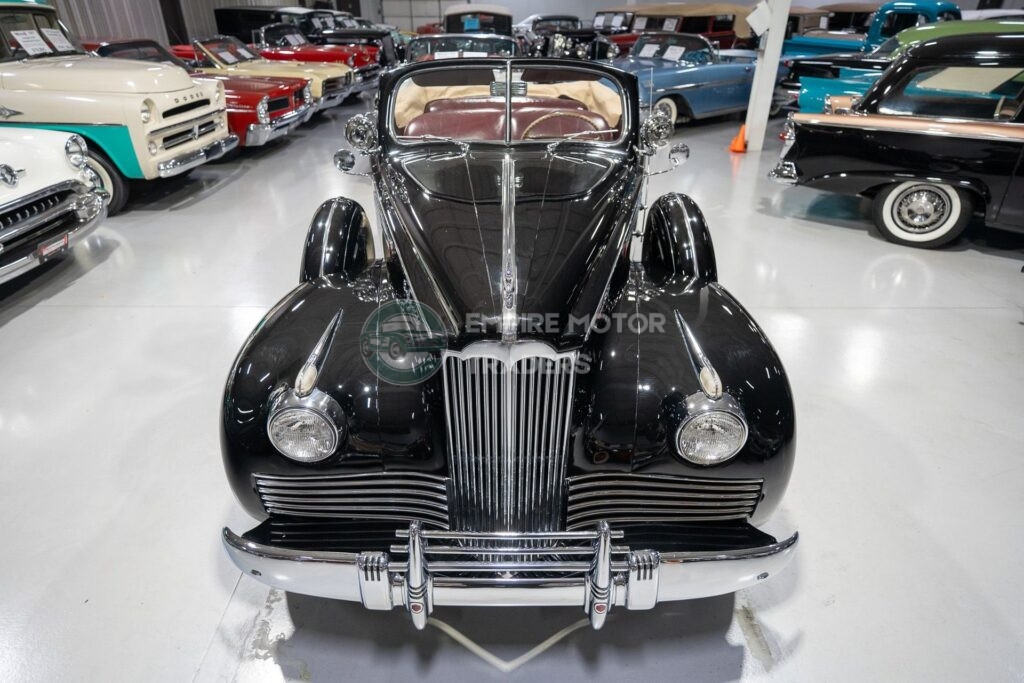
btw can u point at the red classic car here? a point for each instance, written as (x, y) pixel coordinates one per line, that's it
(259, 109)
(286, 42)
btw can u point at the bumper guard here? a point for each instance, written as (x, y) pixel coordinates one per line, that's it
(580, 568)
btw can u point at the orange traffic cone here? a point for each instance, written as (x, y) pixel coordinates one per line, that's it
(739, 143)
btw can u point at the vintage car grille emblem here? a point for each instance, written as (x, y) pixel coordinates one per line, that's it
(509, 409)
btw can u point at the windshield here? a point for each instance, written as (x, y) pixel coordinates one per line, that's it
(447, 47)
(474, 104)
(228, 50)
(556, 24)
(283, 35)
(674, 48)
(145, 51)
(886, 48)
(28, 34)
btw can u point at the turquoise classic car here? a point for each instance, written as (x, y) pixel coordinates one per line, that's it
(819, 78)
(890, 19)
(685, 76)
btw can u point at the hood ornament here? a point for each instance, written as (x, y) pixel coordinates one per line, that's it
(6, 113)
(10, 176)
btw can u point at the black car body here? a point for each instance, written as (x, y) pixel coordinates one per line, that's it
(937, 137)
(574, 367)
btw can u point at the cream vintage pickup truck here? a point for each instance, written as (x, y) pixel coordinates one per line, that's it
(141, 121)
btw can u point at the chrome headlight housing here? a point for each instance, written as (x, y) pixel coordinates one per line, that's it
(146, 110)
(581, 51)
(613, 51)
(262, 110)
(361, 132)
(713, 431)
(77, 151)
(307, 92)
(306, 428)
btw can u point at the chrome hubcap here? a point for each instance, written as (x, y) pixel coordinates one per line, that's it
(921, 209)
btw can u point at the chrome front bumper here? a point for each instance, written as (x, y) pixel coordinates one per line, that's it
(332, 100)
(198, 157)
(90, 207)
(578, 568)
(360, 85)
(784, 172)
(261, 133)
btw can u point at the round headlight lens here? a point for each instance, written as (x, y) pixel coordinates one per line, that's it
(581, 51)
(76, 150)
(303, 435)
(262, 111)
(146, 111)
(710, 438)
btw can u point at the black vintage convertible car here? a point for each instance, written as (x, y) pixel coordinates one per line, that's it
(937, 138)
(588, 418)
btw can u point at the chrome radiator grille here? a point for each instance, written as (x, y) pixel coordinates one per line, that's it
(509, 410)
(621, 498)
(402, 496)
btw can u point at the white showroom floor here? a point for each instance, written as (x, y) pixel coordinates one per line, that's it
(908, 371)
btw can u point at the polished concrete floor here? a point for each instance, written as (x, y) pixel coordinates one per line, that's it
(908, 370)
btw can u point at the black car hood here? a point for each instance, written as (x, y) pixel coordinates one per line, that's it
(572, 218)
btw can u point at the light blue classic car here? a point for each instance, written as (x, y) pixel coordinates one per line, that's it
(683, 75)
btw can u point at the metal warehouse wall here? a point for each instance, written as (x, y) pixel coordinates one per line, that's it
(113, 18)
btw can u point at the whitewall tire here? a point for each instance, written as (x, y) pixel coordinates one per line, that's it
(922, 213)
(110, 179)
(668, 105)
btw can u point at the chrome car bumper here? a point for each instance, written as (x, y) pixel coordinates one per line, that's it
(89, 207)
(261, 133)
(784, 172)
(332, 100)
(361, 86)
(198, 157)
(577, 568)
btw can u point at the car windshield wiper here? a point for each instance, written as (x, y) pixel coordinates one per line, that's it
(461, 144)
(572, 136)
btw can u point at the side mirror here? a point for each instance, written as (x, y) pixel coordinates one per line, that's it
(655, 131)
(361, 132)
(344, 160)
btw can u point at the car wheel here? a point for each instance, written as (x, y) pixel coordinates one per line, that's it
(922, 214)
(110, 179)
(395, 350)
(669, 107)
(365, 348)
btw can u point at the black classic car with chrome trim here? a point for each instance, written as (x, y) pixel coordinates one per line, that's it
(581, 416)
(937, 138)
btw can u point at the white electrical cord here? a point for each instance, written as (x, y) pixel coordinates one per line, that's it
(497, 662)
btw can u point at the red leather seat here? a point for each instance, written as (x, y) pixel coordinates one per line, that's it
(484, 119)
(464, 103)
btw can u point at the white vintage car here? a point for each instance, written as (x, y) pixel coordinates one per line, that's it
(49, 198)
(142, 121)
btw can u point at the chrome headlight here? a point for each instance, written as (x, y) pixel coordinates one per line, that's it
(307, 92)
(146, 110)
(712, 433)
(581, 51)
(613, 51)
(306, 429)
(262, 111)
(361, 132)
(77, 151)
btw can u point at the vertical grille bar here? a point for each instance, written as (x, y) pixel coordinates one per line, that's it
(508, 417)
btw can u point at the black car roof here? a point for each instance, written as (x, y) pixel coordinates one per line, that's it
(968, 47)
